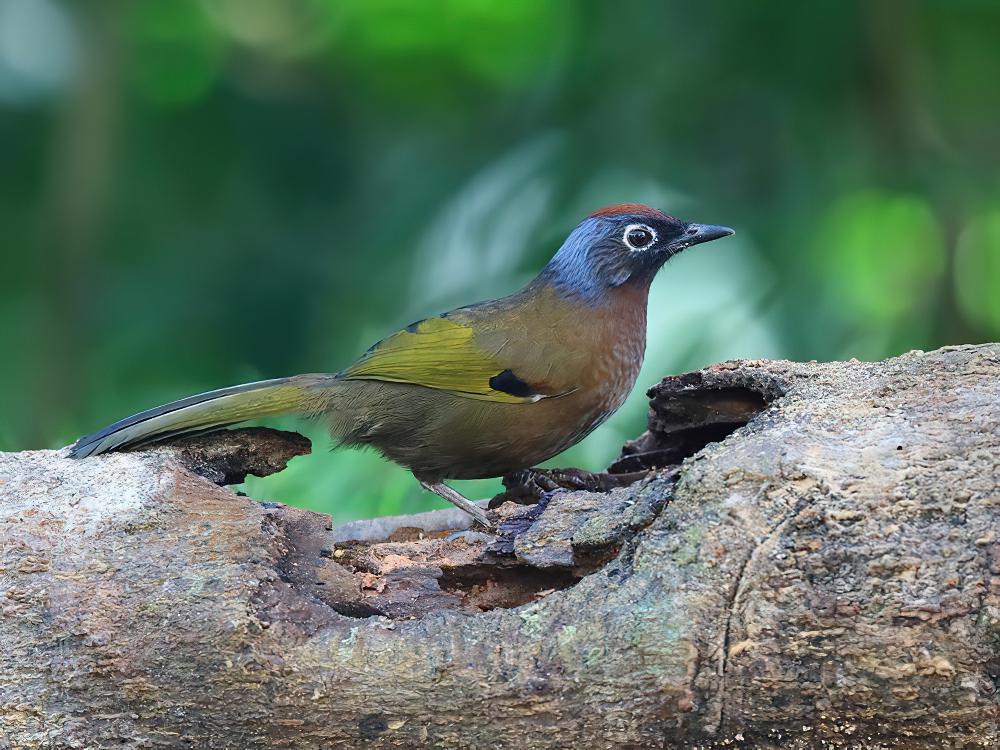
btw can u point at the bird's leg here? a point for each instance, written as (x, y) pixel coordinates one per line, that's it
(458, 500)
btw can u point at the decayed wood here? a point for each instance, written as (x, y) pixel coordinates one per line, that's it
(827, 574)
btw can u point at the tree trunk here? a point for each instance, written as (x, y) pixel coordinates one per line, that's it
(807, 556)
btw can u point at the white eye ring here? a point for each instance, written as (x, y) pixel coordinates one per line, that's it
(631, 228)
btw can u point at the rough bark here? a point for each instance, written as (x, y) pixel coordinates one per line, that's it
(824, 572)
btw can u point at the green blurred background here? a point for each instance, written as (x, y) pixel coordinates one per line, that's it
(196, 193)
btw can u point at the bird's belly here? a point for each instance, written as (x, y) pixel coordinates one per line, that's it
(439, 435)
(488, 439)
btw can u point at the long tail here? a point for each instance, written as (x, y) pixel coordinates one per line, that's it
(302, 394)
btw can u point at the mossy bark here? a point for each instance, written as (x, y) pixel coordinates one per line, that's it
(828, 574)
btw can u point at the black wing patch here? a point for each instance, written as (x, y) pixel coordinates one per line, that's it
(508, 382)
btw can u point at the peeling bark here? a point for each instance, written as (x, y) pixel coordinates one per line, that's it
(798, 555)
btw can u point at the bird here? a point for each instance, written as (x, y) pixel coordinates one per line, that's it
(482, 390)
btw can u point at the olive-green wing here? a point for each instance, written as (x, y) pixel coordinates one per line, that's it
(443, 354)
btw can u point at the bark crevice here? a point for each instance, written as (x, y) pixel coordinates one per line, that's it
(738, 589)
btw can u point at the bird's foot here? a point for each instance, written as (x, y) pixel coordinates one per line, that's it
(528, 486)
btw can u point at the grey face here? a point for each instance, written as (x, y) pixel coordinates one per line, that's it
(613, 247)
(633, 248)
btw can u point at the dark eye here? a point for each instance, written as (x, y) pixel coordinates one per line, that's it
(639, 237)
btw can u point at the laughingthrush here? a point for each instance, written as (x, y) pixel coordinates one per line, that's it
(481, 390)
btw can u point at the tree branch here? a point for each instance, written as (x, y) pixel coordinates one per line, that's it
(798, 554)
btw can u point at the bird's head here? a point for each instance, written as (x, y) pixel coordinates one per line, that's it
(619, 245)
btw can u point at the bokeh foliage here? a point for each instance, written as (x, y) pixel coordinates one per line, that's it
(196, 193)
